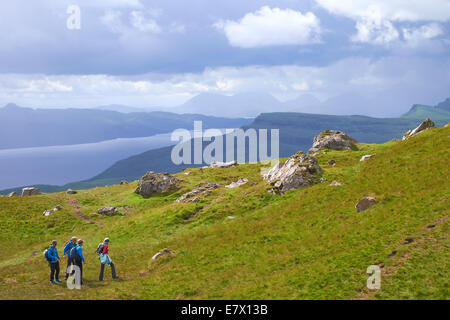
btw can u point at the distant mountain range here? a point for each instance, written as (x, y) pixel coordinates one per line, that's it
(25, 127)
(296, 133)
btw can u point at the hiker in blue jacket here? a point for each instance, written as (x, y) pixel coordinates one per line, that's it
(53, 262)
(66, 252)
(76, 254)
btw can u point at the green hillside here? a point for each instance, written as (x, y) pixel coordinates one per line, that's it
(421, 112)
(307, 244)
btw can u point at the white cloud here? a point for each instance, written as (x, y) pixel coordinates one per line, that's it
(375, 18)
(393, 10)
(140, 22)
(271, 27)
(428, 31)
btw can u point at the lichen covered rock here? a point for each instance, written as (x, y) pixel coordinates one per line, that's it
(298, 171)
(152, 183)
(332, 139)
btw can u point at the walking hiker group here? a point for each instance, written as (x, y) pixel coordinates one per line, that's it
(73, 250)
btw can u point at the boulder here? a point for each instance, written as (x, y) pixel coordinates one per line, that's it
(152, 183)
(108, 211)
(364, 203)
(364, 158)
(163, 252)
(217, 164)
(13, 194)
(203, 189)
(331, 162)
(30, 192)
(70, 191)
(297, 172)
(332, 139)
(426, 124)
(236, 184)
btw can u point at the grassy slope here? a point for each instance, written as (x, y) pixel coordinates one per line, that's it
(309, 243)
(422, 111)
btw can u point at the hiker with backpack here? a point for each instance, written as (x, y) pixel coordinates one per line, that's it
(76, 255)
(66, 252)
(105, 260)
(53, 261)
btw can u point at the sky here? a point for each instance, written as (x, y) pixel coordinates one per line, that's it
(162, 53)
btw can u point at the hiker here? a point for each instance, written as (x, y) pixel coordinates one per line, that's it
(53, 261)
(103, 251)
(76, 255)
(66, 252)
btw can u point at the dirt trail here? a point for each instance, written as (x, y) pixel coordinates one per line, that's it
(74, 203)
(31, 255)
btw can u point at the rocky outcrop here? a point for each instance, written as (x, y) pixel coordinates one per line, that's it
(202, 190)
(364, 158)
(152, 183)
(51, 211)
(332, 139)
(13, 194)
(108, 211)
(163, 252)
(298, 171)
(70, 191)
(217, 164)
(236, 184)
(26, 192)
(426, 124)
(364, 203)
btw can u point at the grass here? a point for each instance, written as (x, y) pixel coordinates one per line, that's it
(307, 244)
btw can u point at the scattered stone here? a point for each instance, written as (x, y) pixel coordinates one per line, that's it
(70, 191)
(108, 211)
(297, 172)
(335, 184)
(26, 192)
(254, 184)
(237, 184)
(332, 139)
(364, 158)
(123, 182)
(163, 252)
(50, 212)
(426, 124)
(203, 189)
(322, 180)
(13, 194)
(364, 203)
(409, 240)
(187, 173)
(230, 217)
(152, 183)
(217, 164)
(331, 162)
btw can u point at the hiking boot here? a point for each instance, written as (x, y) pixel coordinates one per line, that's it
(52, 281)
(57, 280)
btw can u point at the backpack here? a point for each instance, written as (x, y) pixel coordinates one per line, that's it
(73, 253)
(99, 250)
(46, 255)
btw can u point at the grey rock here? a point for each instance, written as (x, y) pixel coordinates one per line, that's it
(152, 183)
(426, 124)
(13, 194)
(297, 172)
(332, 139)
(163, 252)
(364, 158)
(364, 203)
(223, 164)
(236, 184)
(203, 189)
(335, 184)
(108, 211)
(26, 192)
(70, 191)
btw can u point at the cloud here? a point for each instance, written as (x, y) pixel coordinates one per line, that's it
(375, 18)
(271, 27)
(140, 22)
(428, 31)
